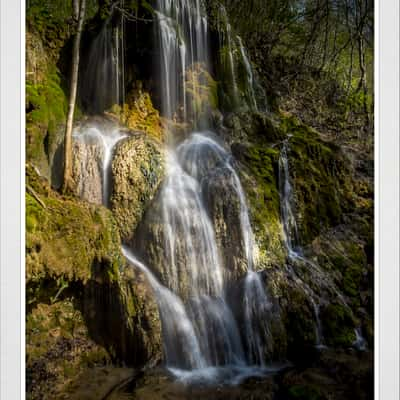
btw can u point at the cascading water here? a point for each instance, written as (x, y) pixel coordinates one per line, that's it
(286, 194)
(103, 81)
(183, 42)
(242, 86)
(194, 294)
(249, 73)
(227, 45)
(202, 156)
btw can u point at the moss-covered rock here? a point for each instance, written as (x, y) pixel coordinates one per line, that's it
(137, 170)
(139, 114)
(66, 237)
(46, 107)
(258, 165)
(123, 316)
(73, 252)
(252, 127)
(58, 349)
(320, 178)
(201, 92)
(338, 325)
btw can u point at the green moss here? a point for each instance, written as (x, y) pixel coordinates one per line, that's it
(46, 107)
(67, 238)
(338, 325)
(299, 323)
(259, 177)
(305, 392)
(320, 178)
(139, 114)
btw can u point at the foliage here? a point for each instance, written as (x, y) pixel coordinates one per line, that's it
(331, 37)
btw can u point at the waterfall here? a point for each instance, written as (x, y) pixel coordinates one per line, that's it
(196, 281)
(103, 81)
(210, 331)
(226, 43)
(249, 74)
(241, 86)
(183, 42)
(360, 343)
(286, 195)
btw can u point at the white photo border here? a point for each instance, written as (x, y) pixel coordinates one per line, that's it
(387, 222)
(12, 211)
(12, 205)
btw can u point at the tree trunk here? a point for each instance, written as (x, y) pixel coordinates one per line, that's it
(75, 6)
(67, 182)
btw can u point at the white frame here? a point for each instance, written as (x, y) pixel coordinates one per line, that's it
(12, 215)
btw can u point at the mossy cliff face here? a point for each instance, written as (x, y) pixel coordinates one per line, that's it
(80, 293)
(137, 170)
(333, 221)
(320, 178)
(253, 138)
(49, 28)
(46, 107)
(66, 237)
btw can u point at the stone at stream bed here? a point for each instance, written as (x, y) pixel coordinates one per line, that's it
(137, 170)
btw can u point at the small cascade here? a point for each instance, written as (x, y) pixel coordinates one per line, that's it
(103, 81)
(242, 86)
(184, 215)
(96, 143)
(318, 328)
(177, 328)
(183, 42)
(286, 194)
(290, 233)
(360, 343)
(227, 46)
(257, 312)
(249, 74)
(295, 253)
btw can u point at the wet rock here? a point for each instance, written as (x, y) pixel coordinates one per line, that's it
(87, 170)
(123, 316)
(224, 209)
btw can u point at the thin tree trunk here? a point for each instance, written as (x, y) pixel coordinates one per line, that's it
(75, 6)
(67, 183)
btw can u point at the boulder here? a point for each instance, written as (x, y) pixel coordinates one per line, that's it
(87, 170)
(137, 171)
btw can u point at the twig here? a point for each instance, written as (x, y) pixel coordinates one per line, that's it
(35, 195)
